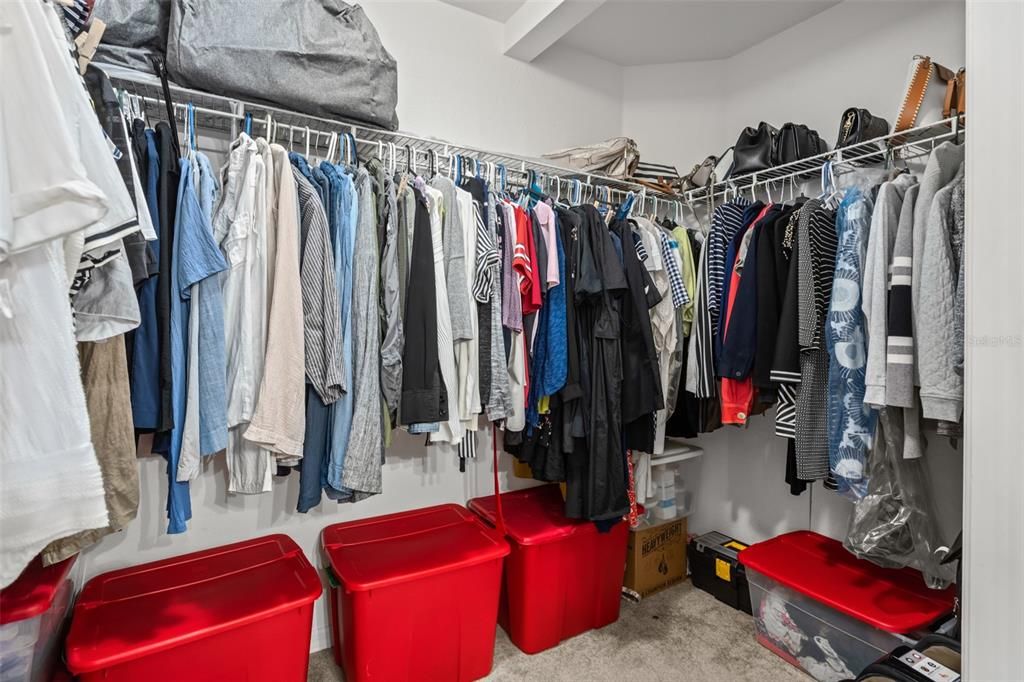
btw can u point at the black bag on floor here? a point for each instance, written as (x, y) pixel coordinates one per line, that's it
(320, 57)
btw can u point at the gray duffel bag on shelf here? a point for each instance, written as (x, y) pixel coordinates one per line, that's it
(616, 157)
(136, 29)
(320, 57)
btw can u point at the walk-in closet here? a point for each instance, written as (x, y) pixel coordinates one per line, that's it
(446, 340)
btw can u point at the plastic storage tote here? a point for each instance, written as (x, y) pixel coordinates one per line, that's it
(238, 612)
(32, 613)
(417, 595)
(562, 577)
(829, 613)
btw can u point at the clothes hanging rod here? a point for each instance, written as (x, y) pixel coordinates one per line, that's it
(233, 110)
(906, 144)
(319, 139)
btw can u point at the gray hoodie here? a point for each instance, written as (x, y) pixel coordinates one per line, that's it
(884, 223)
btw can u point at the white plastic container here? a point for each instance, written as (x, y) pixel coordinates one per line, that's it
(665, 496)
(33, 611)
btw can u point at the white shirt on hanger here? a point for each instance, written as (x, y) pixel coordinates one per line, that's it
(450, 431)
(50, 480)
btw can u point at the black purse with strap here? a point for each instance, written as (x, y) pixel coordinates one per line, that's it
(859, 125)
(753, 150)
(796, 141)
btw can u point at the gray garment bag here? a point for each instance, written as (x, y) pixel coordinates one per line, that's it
(320, 57)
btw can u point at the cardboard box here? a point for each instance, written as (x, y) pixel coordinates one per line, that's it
(656, 559)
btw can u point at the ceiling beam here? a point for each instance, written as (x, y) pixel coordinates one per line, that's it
(538, 25)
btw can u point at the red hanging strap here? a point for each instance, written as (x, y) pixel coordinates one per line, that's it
(499, 517)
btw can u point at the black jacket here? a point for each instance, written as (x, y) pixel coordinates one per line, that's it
(424, 398)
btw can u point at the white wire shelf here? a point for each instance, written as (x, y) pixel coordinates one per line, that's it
(901, 146)
(676, 451)
(304, 131)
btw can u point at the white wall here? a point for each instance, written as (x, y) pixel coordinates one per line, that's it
(853, 54)
(453, 84)
(993, 592)
(675, 111)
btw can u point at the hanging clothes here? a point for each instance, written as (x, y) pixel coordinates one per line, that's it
(817, 239)
(206, 430)
(851, 423)
(362, 470)
(278, 422)
(596, 477)
(240, 227)
(424, 398)
(641, 395)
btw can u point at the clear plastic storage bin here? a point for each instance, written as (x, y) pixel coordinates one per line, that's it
(824, 643)
(829, 613)
(33, 610)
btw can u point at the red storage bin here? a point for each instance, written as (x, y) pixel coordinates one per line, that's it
(238, 612)
(562, 577)
(829, 613)
(32, 614)
(417, 596)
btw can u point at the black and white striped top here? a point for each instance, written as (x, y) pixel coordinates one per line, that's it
(702, 343)
(725, 222)
(816, 233)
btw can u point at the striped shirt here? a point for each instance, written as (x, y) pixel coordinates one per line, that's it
(486, 257)
(816, 235)
(321, 316)
(726, 220)
(700, 370)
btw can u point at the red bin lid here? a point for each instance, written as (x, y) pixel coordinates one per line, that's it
(533, 515)
(386, 550)
(33, 592)
(142, 610)
(894, 600)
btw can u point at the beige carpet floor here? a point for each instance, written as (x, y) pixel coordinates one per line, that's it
(680, 634)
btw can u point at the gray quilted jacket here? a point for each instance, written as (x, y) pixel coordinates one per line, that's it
(941, 385)
(942, 166)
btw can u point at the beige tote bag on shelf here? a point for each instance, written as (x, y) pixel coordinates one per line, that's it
(933, 93)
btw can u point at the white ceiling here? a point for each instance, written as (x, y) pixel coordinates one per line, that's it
(640, 32)
(499, 10)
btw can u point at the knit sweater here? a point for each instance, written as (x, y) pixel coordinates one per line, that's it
(942, 166)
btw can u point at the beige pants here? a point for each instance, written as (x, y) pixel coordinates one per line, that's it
(107, 398)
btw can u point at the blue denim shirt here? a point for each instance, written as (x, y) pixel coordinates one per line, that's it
(213, 402)
(145, 383)
(851, 423)
(196, 257)
(344, 217)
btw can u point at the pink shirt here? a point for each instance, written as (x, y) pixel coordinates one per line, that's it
(546, 217)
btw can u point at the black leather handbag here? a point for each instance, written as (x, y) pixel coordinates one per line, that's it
(753, 150)
(796, 141)
(859, 125)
